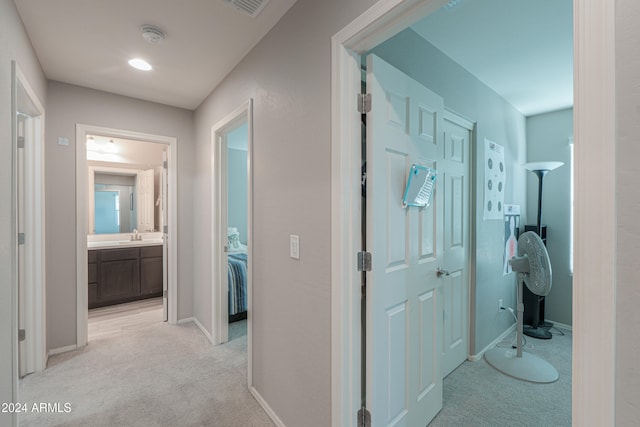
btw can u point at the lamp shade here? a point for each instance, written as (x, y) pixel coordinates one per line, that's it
(546, 166)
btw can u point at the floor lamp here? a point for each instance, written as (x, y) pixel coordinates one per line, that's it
(539, 328)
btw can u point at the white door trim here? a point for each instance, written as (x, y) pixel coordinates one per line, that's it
(82, 219)
(219, 301)
(594, 82)
(35, 258)
(594, 290)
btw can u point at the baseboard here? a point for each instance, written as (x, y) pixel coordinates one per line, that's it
(560, 325)
(61, 350)
(202, 329)
(477, 357)
(277, 421)
(187, 320)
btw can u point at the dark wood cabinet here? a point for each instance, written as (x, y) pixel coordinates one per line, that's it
(151, 270)
(122, 275)
(93, 278)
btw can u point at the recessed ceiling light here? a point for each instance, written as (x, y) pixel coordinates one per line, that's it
(140, 64)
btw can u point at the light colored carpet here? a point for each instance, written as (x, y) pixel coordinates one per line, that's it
(477, 395)
(157, 375)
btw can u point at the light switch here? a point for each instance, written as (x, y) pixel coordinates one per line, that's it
(63, 141)
(294, 246)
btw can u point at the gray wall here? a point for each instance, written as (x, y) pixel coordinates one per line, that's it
(627, 195)
(548, 140)
(288, 74)
(498, 121)
(14, 45)
(237, 198)
(67, 106)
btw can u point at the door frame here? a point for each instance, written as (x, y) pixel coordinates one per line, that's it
(219, 164)
(82, 210)
(595, 213)
(35, 252)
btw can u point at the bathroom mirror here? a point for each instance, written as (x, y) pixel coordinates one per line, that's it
(121, 200)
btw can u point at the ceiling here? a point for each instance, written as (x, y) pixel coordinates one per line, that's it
(136, 154)
(522, 49)
(88, 43)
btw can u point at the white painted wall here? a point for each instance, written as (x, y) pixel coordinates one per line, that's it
(288, 76)
(498, 121)
(628, 196)
(14, 45)
(69, 105)
(548, 140)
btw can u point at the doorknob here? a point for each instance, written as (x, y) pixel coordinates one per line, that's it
(440, 272)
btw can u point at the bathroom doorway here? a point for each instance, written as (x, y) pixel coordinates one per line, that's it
(126, 205)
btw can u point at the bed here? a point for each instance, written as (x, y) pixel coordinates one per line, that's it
(237, 286)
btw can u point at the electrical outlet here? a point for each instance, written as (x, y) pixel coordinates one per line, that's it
(500, 304)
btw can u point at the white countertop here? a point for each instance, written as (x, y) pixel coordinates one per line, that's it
(123, 244)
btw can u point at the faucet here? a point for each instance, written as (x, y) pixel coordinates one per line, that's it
(135, 235)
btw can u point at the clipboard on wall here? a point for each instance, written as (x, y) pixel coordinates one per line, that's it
(420, 185)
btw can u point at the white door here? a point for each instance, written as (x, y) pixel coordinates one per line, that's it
(223, 275)
(164, 182)
(145, 201)
(403, 295)
(454, 179)
(22, 271)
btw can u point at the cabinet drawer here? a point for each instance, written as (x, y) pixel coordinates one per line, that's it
(93, 273)
(118, 254)
(151, 251)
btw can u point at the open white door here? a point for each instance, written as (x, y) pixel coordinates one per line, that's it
(28, 137)
(145, 201)
(22, 280)
(455, 183)
(403, 291)
(165, 236)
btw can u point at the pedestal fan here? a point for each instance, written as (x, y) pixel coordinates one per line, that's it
(533, 269)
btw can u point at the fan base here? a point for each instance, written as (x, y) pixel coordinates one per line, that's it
(542, 333)
(528, 367)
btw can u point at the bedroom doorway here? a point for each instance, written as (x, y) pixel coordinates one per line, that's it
(231, 227)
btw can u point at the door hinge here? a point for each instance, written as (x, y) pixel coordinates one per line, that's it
(364, 417)
(364, 261)
(21, 142)
(164, 293)
(22, 335)
(21, 238)
(164, 164)
(165, 229)
(364, 103)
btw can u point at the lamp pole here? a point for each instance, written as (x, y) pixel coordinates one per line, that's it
(534, 304)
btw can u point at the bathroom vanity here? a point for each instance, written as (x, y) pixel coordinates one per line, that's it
(124, 272)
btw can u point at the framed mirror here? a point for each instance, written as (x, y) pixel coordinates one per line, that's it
(121, 200)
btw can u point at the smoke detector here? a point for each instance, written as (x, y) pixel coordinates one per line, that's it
(250, 7)
(152, 34)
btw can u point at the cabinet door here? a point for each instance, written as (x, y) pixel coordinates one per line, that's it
(151, 276)
(119, 279)
(93, 285)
